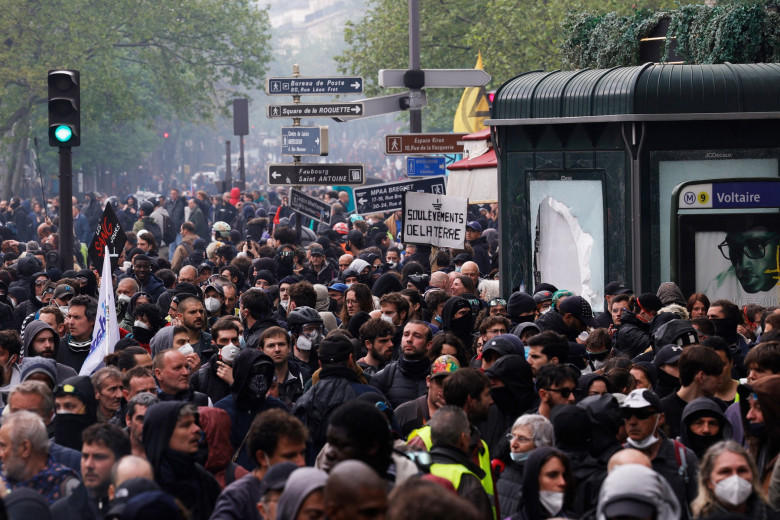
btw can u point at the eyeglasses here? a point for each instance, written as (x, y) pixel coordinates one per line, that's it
(753, 248)
(639, 413)
(520, 439)
(38, 283)
(565, 392)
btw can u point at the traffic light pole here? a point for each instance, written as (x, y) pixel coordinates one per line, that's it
(415, 96)
(66, 209)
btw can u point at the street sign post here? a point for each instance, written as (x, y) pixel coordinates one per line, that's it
(315, 110)
(448, 78)
(390, 196)
(304, 140)
(425, 166)
(316, 174)
(314, 85)
(309, 206)
(411, 144)
(380, 105)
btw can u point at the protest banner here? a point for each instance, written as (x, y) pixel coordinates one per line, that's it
(434, 219)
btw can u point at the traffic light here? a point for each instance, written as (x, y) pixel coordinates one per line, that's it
(64, 108)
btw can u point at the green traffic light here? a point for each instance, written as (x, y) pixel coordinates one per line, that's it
(63, 133)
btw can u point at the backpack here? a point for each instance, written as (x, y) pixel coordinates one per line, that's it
(169, 231)
(151, 226)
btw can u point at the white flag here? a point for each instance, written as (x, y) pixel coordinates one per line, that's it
(106, 331)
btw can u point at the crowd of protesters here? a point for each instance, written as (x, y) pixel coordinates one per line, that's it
(274, 369)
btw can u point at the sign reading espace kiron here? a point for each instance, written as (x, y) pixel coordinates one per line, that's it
(434, 219)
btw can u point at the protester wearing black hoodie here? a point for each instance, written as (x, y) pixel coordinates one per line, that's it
(513, 394)
(253, 373)
(33, 329)
(703, 407)
(462, 326)
(532, 507)
(171, 444)
(26, 267)
(68, 427)
(33, 303)
(605, 422)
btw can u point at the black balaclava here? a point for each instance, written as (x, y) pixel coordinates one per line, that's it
(461, 327)
(253, 373)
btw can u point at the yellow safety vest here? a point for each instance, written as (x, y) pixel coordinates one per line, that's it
(424, 433)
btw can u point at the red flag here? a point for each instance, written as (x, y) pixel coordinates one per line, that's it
(276, 217)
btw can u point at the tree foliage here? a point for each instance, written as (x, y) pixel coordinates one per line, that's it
(514, 37)
(140, 61)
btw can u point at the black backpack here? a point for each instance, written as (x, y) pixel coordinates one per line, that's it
(151, 226)
(169, 231)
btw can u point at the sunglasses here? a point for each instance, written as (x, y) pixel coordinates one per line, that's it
(497, 301)
(565, 392)
(639, 413)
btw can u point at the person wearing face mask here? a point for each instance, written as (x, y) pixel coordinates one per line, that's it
(305, 326)
(216, 375)
(643, 418)
(635, 325)
(253, 375)
(147, 320)
(598, 348)
(214, 302)
(726, 316)
(528, 433)
(547, 485)
(703, 424)
(125, 289)
(457, 318)
(729, 483)
(37, 283)
(76, 410)
(10, 348)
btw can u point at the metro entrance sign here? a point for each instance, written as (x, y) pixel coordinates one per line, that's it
(315, 110)
(316, 85)
(411, 144)
(381, 198)
(316, 174)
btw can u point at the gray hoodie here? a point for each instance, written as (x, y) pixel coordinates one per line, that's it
(30, 331)
(302, 483)
(639, 483)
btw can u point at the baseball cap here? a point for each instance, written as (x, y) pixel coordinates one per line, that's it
(642, 398)
(444, 365)
(628, 506)
(504, 344)
(64, 290)
(355, 236)
(668, 355)
(340, 287)
(205, 265)
(127, 490)
(578, 306)
(542, 296)
(614, 288)
(276, 477)
(474, 225)
(679, 332)
(316, 249)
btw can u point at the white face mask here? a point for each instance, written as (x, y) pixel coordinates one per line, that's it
(388, 319)
(303, 343)
(733, 490)
(140, 324)
(212, 304)
(186, 349)
(519, 457)
(64, 309)
(228, 353)
(551, 500)
(284, 303)
(124, 298)
(647, 441)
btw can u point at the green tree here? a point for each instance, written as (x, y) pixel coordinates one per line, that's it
(513, 38)
(140, 61)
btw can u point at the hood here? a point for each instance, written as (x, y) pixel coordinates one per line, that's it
(244, 395)
(358, 265)
(86, 392)
(696, 407)
(531, 507)
(39, 365)
(31, 330)
(572, 427)
(669, 332)
(323, 300)
(642, 484)
(668, 293)
(605, 421)
(385, 284)
(248, 212)
(215, 423)
(768, 388)
(27, 266)
(159, 423)
(301, 483)
(520, 328)
(515, 372)
(31, 285)
(91, 288)
(162, 340)
(235, 193)
(451, 307)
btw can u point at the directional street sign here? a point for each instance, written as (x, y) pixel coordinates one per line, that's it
(384, 105)
(309, 206)
(380, 198)
(315, 110)
(425, 166)
(304, 140)
(453, 78)
(316, 174)
(320, 85)
(410, 144)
